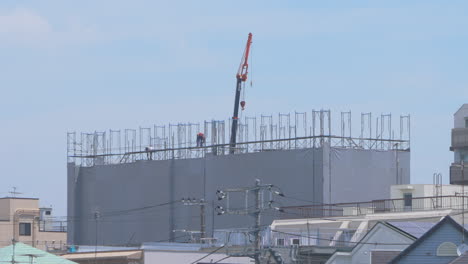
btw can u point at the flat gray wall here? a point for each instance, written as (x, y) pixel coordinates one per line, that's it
(304, 174)
(355, 175)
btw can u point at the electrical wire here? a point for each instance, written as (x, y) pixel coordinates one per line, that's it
(222, 259)
(113, 213)
(300, 200)
(211, 253)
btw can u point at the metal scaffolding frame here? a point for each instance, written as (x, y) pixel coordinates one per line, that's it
(178, 141)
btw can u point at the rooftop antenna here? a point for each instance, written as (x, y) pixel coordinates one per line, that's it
(14, 192)
(32, 257)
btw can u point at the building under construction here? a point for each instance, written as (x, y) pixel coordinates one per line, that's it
(126, 186)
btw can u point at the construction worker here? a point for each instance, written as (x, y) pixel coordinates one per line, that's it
(200, 139)
(149, 152)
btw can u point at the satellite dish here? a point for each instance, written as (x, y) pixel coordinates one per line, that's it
(462, 248)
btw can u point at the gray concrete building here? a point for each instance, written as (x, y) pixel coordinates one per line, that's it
(459, 146)
(134, 195)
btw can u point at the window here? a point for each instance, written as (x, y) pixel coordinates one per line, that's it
(408, 199)
(466, 122)
(47, 212)
(25, 229)
(280, 241)
(447, 249)
(295, 241)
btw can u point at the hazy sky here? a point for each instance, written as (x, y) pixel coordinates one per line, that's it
(95, 65)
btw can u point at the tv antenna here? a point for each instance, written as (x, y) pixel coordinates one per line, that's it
(14, 192)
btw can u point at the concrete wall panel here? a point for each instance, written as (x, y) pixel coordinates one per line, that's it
(128, 196)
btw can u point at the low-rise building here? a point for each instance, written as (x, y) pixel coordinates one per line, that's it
(23, 220)
(153, 253)
(383, 241)
(339, 228)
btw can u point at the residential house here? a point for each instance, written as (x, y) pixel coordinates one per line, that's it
(383, 242)
(436, 246)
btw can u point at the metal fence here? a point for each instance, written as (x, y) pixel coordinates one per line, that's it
(456, 202)
(52, 226)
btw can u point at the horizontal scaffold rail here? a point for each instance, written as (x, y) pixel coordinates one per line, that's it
(299, 130)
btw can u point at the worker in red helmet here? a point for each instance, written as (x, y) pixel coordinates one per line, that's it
(200, 139)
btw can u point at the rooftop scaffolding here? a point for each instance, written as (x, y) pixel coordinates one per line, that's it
(281, 132)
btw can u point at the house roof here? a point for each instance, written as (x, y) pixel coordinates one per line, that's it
(394, 228)
(446, 220)
(19, 198)
(127, 254)
(23, 254)
(369, 234)
(416, 229)
(461, 107)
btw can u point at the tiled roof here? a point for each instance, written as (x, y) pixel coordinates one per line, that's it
(23, 254)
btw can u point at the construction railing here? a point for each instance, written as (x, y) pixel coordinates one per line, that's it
(267, 133)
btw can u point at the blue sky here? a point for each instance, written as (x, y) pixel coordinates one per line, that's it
(95, 65)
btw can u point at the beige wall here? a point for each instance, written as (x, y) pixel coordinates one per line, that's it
(21, 210)
(5, 209)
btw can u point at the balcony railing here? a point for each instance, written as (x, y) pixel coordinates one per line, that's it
(52, 226)
(377, 206)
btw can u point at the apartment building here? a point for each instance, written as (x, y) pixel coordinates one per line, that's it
(459, 146)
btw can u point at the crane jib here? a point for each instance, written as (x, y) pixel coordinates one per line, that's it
(241, 77)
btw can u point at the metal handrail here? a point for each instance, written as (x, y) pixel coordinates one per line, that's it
(375, 206)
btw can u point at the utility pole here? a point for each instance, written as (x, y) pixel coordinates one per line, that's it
(397, 164)
(258, 190)
(202, 220)
(463, 197)
(463, 201)
(257, 215)
(13, 241)
(97, 215)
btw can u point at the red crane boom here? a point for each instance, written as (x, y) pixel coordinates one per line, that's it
(241, 77)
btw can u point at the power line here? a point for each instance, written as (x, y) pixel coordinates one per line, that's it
(211, 253)
(114, 213)
(222, 259)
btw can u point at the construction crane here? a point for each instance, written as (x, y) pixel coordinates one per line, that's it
(241, 77)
